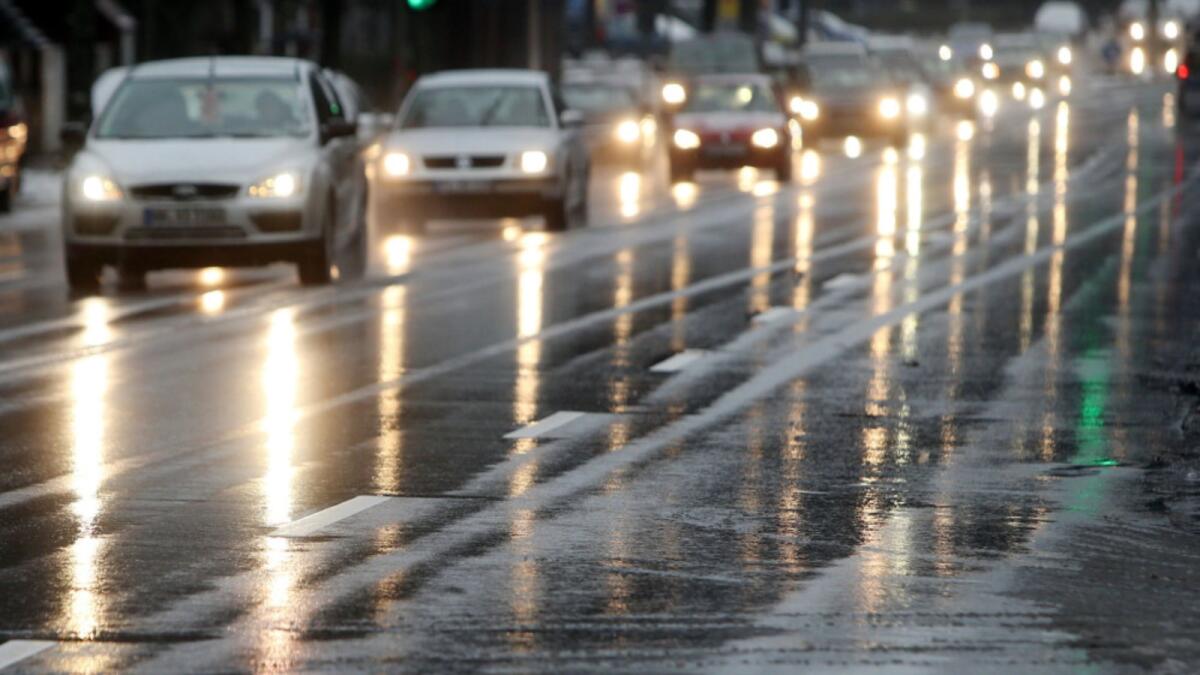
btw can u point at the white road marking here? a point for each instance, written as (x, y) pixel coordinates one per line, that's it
(543, 428)
(772, 315)
(322, 519)
(15, 651)
(679, 361)
(842, 281)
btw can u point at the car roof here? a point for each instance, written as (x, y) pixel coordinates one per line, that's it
(734, 78)
(221, 66)
(486, 76)
(834, 49)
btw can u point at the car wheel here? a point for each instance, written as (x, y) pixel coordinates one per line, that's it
(314, 262)
(783, 170)
(8, 196)
(556, 215)
(681, 172)
(581, 204)
(83, 275)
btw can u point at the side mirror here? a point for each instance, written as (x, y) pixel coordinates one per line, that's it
(571, 119)
(73, 135)
(338, 129)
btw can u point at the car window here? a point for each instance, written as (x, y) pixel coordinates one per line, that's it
(597, 98)
(731, 98)
(205, 107)
(325, 99)
(726, 55)
(477, 106)
(843, 73)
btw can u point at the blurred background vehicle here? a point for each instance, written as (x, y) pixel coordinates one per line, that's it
(213, 161)
(730, 121)
(484, 144)
(14, 137)
(721, 52)
(955, 88)
(618, 101)
(849, 94)
(1019, 67)
(897, 56)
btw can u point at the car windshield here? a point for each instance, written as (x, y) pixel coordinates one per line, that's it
(206, 107)
(714, 56)
(477, 106)
(731, 98)
(842, 73)
(598, 99)
(901, 66)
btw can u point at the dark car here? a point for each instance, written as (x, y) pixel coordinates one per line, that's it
(14, 134)
(730, 121)
(616, 124)
(850, 95)
(1188, 77)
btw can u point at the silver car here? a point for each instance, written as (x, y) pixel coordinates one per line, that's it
(214, 161)
(484, 144)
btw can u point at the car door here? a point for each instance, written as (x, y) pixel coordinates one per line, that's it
(339, 154)
(574, 145)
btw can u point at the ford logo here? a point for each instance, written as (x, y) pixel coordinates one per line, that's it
(184, 191)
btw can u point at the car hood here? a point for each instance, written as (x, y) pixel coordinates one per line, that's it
(216, 160)
(728, 121)
(472, 141)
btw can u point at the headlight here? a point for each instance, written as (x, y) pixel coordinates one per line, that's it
(1064, 85)
(964, 88)
(986, 52)
(989, 103)
(1018, 91)
(1035, 69)
(396, 165)
(945, 53)
(686, 139)
(765, 138)
(534, 161)
(1065, 56)
(1037, 100)
(795, 104)
(628, 131)
(1171, 29)
(673, 93)
(805, 109)
(99, 189)
(1137, 31)
(281, 185)
(917, 105)
(991, 71)
(889, 108)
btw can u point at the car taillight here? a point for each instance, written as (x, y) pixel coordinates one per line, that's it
(1183, 71)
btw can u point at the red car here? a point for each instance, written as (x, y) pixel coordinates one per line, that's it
(731, 121)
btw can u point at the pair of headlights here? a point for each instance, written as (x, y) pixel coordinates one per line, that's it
(807, 110)
(99, 188)
(766, 138)
(399, 165)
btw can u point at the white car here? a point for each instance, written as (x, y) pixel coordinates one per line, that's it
(484, 144)
(213, 161)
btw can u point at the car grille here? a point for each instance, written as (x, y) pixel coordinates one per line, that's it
(185, 191)
(167, 234)
(710, 137)
(472, 161)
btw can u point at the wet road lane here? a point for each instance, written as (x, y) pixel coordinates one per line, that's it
(867, 339)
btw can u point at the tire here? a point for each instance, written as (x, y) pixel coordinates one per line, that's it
(83, 275)
(555, 213)
(783, 171)
(9, 195)
(131, 277)
(314, 262)
(681, 172)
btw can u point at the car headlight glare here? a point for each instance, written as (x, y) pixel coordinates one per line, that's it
(917, 105)
(534, 161)
(765, 138)
(1065, 56)
(1171, 29)
(964, 88)
(281, 185)
(1035, 69)
(991, 71)
(686, 139)
(673, 93)
(810, 111)
(628, 131)
(1137, 31)
(99, 189)
(396, 164)
(986, 52)
(889, 108)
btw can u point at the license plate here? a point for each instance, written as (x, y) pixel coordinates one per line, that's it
(182, 217)
(463, 186)
(726, 150)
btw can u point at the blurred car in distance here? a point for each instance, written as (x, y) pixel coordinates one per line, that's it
(720, 52)
(14, 137)
(213, 161)
(897, 56)
(484, 144)
(616, 125)
(731, 121)
(956, 89)
(847, 94)
(1020, 68)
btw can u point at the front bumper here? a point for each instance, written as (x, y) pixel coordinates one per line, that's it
(467, 198)
(172, 256)
(731, 156)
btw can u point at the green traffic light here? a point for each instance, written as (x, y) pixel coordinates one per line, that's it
(421, 4)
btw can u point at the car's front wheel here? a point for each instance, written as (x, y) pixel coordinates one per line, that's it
(317, 256)
(556, 215)
(83, 274)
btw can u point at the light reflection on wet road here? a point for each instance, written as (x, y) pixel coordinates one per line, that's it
(909, 366)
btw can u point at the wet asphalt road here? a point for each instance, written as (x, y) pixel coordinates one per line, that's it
(910, 428)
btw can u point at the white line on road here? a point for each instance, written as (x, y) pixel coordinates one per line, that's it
(679, 361)
(772, 315)
(15, 651)
(544, 427)
(324, 518)
(842, 281)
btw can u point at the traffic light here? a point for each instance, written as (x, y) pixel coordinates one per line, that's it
(421, 4)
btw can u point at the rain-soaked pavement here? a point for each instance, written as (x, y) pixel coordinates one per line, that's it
(930, 408)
